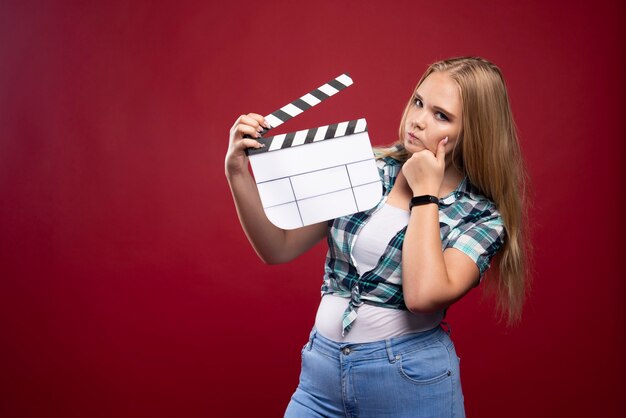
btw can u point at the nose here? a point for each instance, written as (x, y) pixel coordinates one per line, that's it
(417, 120)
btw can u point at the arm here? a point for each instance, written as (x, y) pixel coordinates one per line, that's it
(272, 244)
(431, 279)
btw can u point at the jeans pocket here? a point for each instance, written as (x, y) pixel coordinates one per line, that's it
(427, 365)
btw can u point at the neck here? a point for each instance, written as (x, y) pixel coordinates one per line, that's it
(451, 179)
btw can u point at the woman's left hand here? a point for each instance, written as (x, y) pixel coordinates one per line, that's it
(424, 170)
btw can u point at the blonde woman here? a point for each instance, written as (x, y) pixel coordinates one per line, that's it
(453, 184)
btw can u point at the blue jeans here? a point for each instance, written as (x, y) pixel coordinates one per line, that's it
(415, 375)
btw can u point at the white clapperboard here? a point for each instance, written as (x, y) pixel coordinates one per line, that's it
(316, 174)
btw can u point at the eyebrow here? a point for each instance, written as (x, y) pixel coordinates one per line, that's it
(440, 109)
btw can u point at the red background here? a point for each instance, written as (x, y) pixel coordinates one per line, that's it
(127, 288)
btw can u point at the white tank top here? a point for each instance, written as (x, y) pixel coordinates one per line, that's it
(373, 323)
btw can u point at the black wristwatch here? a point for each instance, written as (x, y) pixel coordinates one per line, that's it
(423, 200)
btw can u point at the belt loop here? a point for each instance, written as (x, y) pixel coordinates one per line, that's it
(311, 338)
(446, 327)
(392, 358)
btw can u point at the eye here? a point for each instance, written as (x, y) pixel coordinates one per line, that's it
(441, 116)
(418, 102)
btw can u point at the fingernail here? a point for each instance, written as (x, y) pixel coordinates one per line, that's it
(259, 129)
(445, 140)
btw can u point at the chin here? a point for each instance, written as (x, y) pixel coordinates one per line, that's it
(412, 148)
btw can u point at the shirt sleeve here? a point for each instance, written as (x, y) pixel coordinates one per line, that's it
(481, 240)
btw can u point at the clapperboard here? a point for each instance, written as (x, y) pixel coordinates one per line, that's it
(315, 174)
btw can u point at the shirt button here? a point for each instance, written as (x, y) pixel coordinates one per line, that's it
(346, 351)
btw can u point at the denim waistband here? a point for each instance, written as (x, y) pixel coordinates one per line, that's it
(388, 348)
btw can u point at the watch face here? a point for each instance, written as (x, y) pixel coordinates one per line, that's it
(423, 200)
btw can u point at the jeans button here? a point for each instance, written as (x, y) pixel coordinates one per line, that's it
(346, 351)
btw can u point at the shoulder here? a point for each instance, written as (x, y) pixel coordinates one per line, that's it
(385, 156)
(472, 224)
(468, 202)
(388, 166)
(388, 159)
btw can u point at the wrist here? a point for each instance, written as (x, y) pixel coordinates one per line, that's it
(236, 173)
(423, 200)
(425, 191)
(425, 187)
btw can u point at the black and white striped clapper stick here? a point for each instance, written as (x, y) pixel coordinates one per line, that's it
(307, 101)
(307, 136)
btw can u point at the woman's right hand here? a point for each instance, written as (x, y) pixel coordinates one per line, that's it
(252, 124)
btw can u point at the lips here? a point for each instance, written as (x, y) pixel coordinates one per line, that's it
(412, 138)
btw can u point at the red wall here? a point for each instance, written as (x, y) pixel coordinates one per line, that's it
(127, 288)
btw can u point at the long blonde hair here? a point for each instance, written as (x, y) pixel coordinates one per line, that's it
(488, 153)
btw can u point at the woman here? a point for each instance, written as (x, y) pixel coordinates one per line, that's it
(452, 187)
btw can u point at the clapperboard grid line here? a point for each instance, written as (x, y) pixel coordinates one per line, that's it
(321, 194)
(295, 200)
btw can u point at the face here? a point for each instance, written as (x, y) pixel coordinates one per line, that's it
(434, 114)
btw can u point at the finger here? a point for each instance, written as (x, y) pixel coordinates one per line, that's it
(249, 143)
(441, 150)
(243, 130)
(250, 121)
(260, 119)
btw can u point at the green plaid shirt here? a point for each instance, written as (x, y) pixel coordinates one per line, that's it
(468, 222)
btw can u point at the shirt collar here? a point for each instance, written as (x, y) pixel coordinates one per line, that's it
(464, 188)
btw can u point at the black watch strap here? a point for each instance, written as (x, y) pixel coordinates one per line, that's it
(423, 200)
